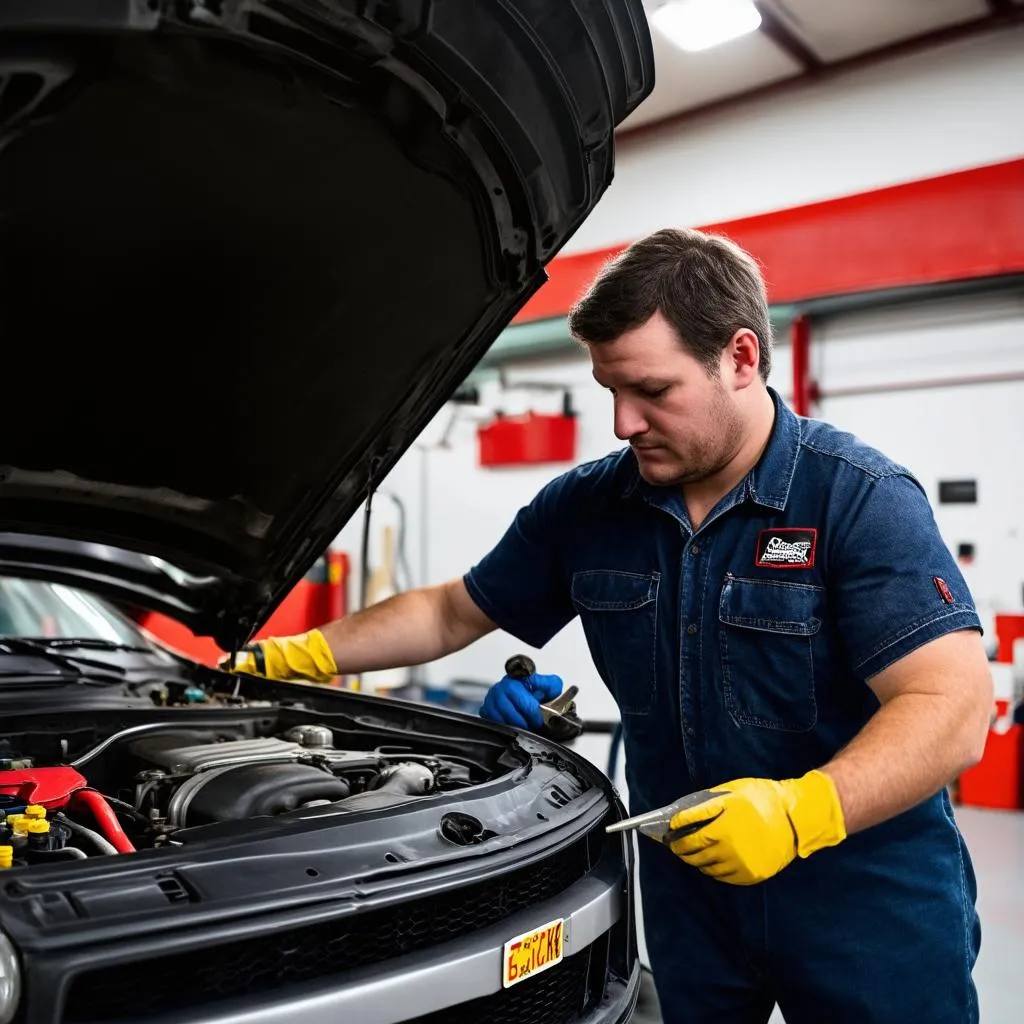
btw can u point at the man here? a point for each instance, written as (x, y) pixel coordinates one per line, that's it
(771, 604)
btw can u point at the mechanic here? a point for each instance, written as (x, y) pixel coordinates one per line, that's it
(771, 604)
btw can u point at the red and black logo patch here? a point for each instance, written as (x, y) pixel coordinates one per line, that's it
(943, 588)
(786, 547)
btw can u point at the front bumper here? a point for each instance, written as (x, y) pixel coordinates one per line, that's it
(449, 981)
(433, 957)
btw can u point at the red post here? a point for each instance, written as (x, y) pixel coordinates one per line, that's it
(337, 577)
(800, 334)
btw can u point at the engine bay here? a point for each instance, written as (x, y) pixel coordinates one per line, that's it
(153, 784)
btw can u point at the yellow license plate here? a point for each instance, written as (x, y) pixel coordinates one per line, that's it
(532, 952)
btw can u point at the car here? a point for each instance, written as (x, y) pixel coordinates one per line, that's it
(250, 249)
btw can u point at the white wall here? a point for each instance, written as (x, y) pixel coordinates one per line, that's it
(942, 110)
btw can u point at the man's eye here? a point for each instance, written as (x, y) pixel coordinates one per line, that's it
(656, 393)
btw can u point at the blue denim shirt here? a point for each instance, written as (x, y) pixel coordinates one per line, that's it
(743, 648)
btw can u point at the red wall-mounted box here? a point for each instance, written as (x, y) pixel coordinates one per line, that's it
(533, 438)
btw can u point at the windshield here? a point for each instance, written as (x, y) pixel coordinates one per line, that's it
(34, 608)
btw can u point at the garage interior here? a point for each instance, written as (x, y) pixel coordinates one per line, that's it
(871, 156)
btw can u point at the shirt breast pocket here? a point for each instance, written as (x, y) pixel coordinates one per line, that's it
(618, 611)
(767, 632)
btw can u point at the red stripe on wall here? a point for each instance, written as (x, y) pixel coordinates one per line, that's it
(951, 228)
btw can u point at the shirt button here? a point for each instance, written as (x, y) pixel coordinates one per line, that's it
(691, 628)
(690, 731)
(695, 550)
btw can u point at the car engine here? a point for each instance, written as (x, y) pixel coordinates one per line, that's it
(146, 786)
(206, 783)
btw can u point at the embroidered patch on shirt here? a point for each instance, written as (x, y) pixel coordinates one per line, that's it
(943, 588)
(786, 547)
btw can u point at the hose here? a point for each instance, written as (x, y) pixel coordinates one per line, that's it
(127, 808)
(133, 730)
(105, 817)
(87, 833)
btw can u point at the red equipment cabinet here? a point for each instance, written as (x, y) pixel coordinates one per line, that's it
(322, 595)
(997, 780)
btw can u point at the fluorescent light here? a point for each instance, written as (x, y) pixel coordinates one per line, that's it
(700, 24)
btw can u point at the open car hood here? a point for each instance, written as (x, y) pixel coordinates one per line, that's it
(250, 247)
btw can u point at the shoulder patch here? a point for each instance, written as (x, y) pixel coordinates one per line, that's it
(786, 547)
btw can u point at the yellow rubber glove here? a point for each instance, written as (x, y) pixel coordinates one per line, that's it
(304, 656)
(760, 826)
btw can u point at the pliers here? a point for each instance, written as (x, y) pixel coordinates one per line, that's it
(656, 823)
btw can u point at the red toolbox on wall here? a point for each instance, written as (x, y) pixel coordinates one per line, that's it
(535, 437)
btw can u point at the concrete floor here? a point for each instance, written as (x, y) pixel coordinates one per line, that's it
(996, 842)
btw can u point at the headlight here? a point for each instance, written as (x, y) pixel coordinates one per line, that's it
(10, 980)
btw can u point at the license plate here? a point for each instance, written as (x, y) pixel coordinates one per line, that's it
(532, 952)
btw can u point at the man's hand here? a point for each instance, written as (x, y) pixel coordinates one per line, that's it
(305, 656)
(759, 826)
(517, 701)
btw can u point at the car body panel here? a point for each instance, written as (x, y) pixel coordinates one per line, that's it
(246, 908)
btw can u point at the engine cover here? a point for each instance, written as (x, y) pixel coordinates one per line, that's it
(234, 792)
(189, 784)
(168, 753)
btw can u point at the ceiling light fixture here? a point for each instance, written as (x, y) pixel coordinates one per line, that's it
(700, 24)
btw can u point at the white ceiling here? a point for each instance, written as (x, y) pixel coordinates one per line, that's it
(836, 29)
(803, 37)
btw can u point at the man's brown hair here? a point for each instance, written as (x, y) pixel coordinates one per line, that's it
(706, 286)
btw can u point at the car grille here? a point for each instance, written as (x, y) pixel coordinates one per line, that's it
(135, 989)
(560, 995)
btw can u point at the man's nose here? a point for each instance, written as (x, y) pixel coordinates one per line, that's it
(628, 420)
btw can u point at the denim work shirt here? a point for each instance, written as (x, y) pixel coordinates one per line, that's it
(744, 648)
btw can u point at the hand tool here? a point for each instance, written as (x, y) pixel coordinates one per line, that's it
(656, 823)
(560, 717)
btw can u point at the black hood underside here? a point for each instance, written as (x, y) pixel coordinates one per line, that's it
(248, 249)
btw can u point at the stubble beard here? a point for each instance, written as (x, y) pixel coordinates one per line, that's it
(702, 457)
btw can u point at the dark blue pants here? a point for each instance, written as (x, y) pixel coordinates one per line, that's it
(879, 930)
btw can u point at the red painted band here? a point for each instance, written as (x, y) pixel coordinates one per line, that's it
(955, 227)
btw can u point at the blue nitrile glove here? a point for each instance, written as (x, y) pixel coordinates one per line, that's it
(517, 701)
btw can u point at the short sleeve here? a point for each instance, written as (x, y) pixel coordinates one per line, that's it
(894, 581)
(521, 583)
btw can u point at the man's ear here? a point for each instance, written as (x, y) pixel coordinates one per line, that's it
(741, 358)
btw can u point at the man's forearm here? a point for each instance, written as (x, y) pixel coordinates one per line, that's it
(913, 746)
(411, 628)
